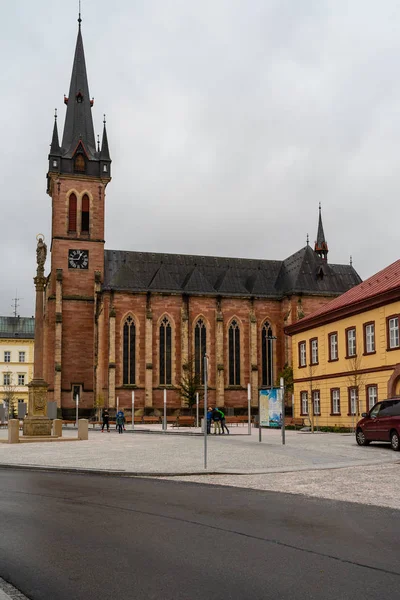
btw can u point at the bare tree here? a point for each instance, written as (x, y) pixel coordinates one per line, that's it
(356, 380)
(190, 383)
(9, 394)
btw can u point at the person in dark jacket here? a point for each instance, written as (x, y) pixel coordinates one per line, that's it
(216, 417)
(106, 420)
(120, 421)
(223, 422)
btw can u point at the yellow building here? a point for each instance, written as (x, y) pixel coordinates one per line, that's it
(16, 359)
(346, 355)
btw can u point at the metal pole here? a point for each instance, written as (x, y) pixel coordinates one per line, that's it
(197, 409)
(133, 410)
(249, 407)
(165, 410)
(283, 409)
(77, 402)
(205, 410)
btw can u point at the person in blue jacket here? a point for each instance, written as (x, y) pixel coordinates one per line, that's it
(120, 421)
(209, 417)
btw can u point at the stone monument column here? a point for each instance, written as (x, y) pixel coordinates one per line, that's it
(36, 422)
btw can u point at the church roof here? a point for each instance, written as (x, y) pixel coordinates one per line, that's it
(303, 272)
(17, 327)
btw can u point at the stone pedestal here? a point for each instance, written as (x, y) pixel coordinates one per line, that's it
(57, 427)
(36, 422)
(13, 431)
(83, 429)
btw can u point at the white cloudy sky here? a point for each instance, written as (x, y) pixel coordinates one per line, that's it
(228, 122)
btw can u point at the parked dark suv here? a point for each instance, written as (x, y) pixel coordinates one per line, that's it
(380, 424)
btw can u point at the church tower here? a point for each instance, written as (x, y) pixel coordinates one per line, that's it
(77, 178)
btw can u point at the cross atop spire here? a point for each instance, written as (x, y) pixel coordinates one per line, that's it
(79, 17)
(321, 246)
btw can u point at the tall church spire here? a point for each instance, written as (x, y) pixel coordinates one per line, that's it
(55, 144)
(321, 246)
(78, 121)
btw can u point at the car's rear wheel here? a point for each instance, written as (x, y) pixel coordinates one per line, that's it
(395, 440)
(361, 439)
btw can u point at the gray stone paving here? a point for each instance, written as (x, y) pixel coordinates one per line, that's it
(322, 465)
(9, 592)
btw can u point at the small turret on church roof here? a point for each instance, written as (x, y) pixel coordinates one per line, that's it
(321, 246)
(55, 149)
(104, 153)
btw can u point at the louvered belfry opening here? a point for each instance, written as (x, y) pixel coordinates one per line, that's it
(72, 213)
(85, 214)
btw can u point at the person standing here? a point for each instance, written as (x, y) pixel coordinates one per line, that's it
(106, 420)
(120, 421)
(216, 417)
(223, 421)
(209, 417)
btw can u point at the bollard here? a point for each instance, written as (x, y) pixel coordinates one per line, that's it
(83, 429)
(57, 427)
(13, 431)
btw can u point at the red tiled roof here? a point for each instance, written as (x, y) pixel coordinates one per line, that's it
(384, 281)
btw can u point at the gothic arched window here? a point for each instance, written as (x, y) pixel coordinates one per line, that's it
(129, 351)
(165, 352)
(72, 213)
(266, 355)
(234, 353)
(200, 339)
(85, 214)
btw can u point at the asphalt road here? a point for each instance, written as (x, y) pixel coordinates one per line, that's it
(93, 537)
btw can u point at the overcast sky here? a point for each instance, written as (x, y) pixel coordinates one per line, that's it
(228, 122)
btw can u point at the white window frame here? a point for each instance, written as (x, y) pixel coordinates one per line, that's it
(317, 402)
(353, 401)
(6, 378)
(22, 355)
(7, 356)
(21, 378)
(351, 342)
(373, 396)
(303, 354)
(370, 338)
(394, 332)
(333, 346)
(335, 402)
(304, 403)
(314, 351)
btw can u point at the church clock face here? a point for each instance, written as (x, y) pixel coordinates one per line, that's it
(78, 259)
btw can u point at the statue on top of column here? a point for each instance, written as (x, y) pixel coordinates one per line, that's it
(41, 253)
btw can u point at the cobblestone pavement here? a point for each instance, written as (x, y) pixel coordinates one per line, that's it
(9, 592)
(322, 465)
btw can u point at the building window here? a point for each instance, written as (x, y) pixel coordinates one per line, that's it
(129, 352)
(7, 379)
(302, 354)
(72, 213)
(200, 342)
(393, 327)
(165, 352)
(266, 355)
(105, 168)
(85, 214)
(316, 402)
(369, 338)
(22, 357)
(352, 401)
(21, 379)
(314, 351)
(304, 403)
(351, 342)
(80, 164)
(333, 346)
(335, 401)
(7, 356)
(55, 163)
(372, 396)
(234, 353)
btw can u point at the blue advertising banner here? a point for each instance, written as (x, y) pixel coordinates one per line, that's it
(271, 408)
